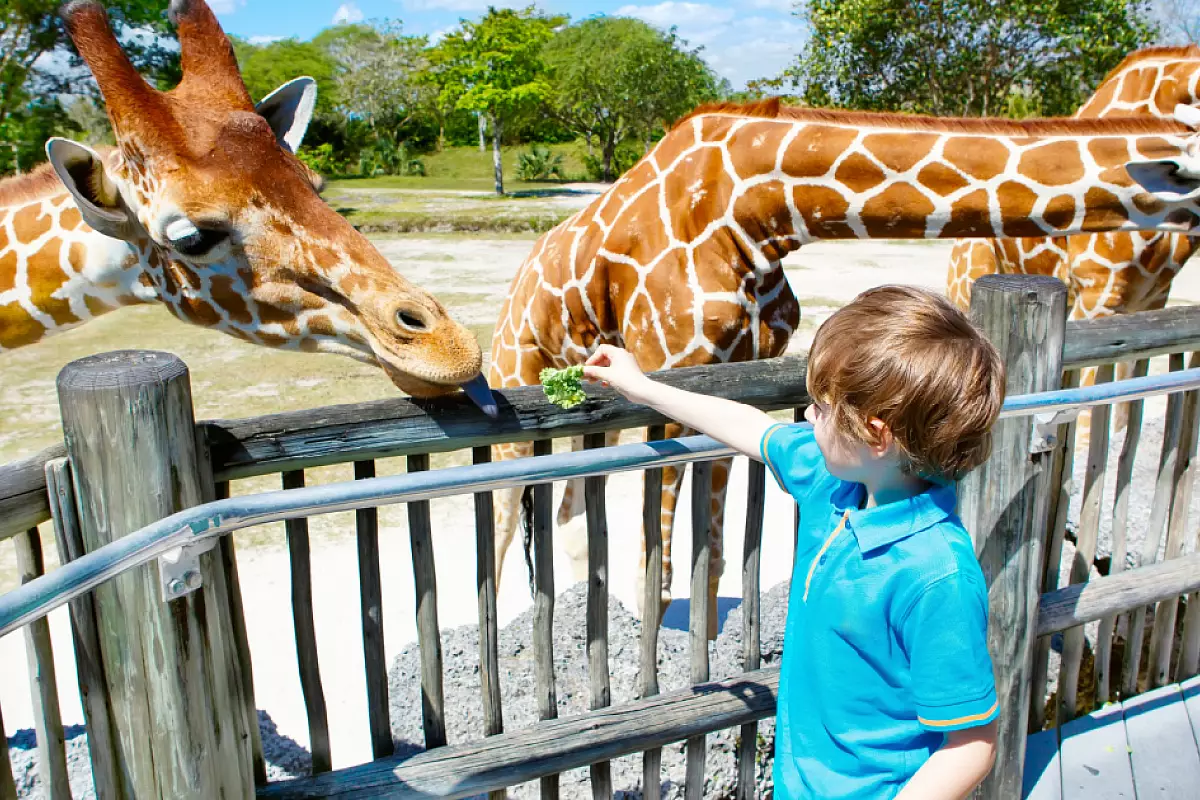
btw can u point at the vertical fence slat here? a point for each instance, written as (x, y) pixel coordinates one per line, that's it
(543, 605)
(597, 608)
(651, 608)
(89, 669)
(698, 618)
(1085, 545)
(366, 524)
(751, 634)
(1163, 635)
(485, 591)
(1134, 412)
(1172, 429)
(1061, 484)
(47, 720)
(433, 703)
(300, 558)
(8, 787)
(1189, 650)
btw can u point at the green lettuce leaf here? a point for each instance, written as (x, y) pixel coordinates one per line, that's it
(563, 387)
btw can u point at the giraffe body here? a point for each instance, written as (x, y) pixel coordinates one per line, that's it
(203, 206)
(679, 261)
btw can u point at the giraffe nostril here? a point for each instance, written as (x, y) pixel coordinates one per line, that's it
(410, 321)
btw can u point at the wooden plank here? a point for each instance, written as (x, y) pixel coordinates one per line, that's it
(1159, 506)
(1162, 745)
(8, 787)
(23, 499)
(1086, 602)
(651, 608)
(1042, 777)
(751, 634)
(85, 636)
(1120, 547)
(1190, 689)
(698, 618)
(1130, 336)
(429, 637)
(543, 608)
(1189, 648)
(1004, 503)
(173, 682)
(599, 688)
(1085, 546)
(300, 558)
(47, 720)
(550, 747)
(241, 641)
(336, 434)
(1184, 480)
(366, 525)
(1094, 758)
(485, 592)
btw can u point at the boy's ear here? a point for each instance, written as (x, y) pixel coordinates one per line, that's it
(883, 436)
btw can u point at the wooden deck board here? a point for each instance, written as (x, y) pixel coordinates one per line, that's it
(1094, 757)
(1191, 701)
(1042, 779)
(1162, 745)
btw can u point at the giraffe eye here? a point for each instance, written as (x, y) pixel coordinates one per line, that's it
(199, 241)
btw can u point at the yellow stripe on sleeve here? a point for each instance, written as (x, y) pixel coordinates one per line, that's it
(946, 723)
(771, 431)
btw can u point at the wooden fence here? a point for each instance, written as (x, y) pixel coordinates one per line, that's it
(288, 444)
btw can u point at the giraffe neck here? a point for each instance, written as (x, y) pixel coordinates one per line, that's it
(56, 273)
(1152, 87)
(799, 180)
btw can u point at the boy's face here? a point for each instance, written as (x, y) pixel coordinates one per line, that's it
(845, 457)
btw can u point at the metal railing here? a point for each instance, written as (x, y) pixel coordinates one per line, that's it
(191, 526)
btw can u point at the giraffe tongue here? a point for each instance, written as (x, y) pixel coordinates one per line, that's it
(481, 395)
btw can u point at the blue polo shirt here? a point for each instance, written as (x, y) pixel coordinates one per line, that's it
(885, 647)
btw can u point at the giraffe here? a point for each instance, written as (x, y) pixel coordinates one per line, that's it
(203, 207)
(1107, 273)
(680, 260)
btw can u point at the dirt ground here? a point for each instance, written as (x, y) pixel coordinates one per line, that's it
(470, 275)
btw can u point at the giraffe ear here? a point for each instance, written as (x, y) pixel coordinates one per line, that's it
(82, 171)
(289, 109)
(1172, 180)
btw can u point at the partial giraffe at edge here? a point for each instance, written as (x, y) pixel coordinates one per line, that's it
(680, 260)
(204, 207)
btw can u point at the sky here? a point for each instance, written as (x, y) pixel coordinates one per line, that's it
(742, 39)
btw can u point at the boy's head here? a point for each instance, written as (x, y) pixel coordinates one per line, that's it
(906, 358)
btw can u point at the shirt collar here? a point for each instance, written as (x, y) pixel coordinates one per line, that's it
(887, 524)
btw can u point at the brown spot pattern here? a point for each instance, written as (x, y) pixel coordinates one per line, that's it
(859, 173)
(17, 328)
(30, 223)
(982, 159)
(900, 153)
(1016, 204)
(900, 210)
(812, 152)
(1103, 210)
(1060, 211)
(824, 211)
(1053, 164)
(941, 179)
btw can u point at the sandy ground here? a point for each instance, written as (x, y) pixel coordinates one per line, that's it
(471, 275)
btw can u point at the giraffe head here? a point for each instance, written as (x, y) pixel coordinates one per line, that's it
(207, 191)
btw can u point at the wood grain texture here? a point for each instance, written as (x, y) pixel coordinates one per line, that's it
(1004, 502)
(543, 607)
(1162, 746)
(429, 637)
(550, 747)
(43, 689)
(1125, 337)
(698, 617)
(751, 633)
(173, 682)
(599, 688)
(485, 592)
(370, 594)
(300, 561)
(1094, 757)
(651, 608)
(1042, 778)
(23, 499)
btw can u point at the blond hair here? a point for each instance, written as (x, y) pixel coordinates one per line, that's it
(909, 358)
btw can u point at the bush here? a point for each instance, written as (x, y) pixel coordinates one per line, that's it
(320, 159)
(624, 158)
(539, 164)
(388, 158)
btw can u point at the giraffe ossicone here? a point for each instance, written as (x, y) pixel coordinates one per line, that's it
(204, 207)
(680, 261)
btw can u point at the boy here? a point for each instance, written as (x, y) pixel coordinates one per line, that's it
(886, 686)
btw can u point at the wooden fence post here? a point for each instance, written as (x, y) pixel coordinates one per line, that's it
(1004, 502)
(175, 691)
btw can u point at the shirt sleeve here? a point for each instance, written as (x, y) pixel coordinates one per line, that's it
(945, 634)
(791, 454)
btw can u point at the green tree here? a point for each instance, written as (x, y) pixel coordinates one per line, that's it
(494, 66)
(964, 57)
(613, 78)
(265, 67)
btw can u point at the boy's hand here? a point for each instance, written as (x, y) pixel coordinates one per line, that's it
(617, 368)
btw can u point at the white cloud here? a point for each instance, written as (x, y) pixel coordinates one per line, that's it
(347, 13)
(225, 6)
(786, 6)
(689, 15)
(448, 5)
(261, 40)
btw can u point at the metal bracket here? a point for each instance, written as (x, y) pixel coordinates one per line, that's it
(1045, 429)
(179, 569)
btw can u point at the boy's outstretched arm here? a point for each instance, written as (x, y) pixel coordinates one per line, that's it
(737, 425)
(957, 767)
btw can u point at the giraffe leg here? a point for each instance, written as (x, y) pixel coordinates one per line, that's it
(571, 505)
(671, 481)
(508, 503)
(716, 538)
